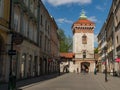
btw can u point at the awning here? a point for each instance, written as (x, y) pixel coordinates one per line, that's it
(117, 60)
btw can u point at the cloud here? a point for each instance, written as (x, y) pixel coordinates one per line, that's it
(103, 7)
(100, 8)
(93, 18)
(64, 20)
(63, 2)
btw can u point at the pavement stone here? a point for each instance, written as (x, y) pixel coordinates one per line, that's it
(69, 81)
(29, 81)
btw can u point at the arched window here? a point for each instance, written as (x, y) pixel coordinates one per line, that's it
(84, 39)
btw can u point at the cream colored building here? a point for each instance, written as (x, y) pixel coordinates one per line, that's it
(30, 20)
(83, 45)
(112, 29)
(101, 44)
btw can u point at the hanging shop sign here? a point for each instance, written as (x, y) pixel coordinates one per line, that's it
(17, 39)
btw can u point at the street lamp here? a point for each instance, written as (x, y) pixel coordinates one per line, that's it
(105, 50)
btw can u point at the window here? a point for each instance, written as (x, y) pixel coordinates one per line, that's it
(74, 62)
(31, 30)
(26, 2)
(40, 41)
(45, 25)
(16, 19)
(45, 43)
(48, 30)
(41, 21)
(84, 54)
(24, 25)
(117, 40)
(23, 64)
(35, 9)
(32, 5)
(15, 22)
(29, 66)
(35, 33)
(1, 8)
(84, 39)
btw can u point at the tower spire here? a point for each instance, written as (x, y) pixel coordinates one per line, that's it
(83, 16)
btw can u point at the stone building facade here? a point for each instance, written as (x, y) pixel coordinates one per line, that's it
(101, 44)
(30, 20)
(112, 30)
(83, 45)
(4, 38)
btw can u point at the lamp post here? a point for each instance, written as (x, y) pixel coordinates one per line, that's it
(10, 82)
(105, 50)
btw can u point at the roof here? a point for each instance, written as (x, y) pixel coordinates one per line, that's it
(67, 55)
(84, 21)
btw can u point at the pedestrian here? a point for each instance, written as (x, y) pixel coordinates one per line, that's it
(106, 75)
(77, 70)
(95, 72)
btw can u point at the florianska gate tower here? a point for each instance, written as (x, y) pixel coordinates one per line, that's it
(83, 44)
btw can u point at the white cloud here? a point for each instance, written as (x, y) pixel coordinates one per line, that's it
(63, 2)
(64, 20)
(93, 18)
(103, 7)
(100, 8)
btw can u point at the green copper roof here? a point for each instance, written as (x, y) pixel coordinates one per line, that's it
(83, 16)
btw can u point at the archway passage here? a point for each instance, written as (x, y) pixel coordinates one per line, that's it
(85, 67)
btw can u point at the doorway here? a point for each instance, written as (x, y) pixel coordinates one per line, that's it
(85, 67)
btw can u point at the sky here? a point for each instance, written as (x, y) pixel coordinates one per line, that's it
(66, 12)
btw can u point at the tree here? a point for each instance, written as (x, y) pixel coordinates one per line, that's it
(65, 42)
(96, 50)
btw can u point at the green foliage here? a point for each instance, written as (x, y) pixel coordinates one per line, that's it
(96, 50)
(65, 42)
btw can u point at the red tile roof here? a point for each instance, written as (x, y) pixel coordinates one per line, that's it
(67, 55)
(84, 21)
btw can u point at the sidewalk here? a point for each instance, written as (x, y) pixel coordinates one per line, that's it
(98, 80)
(29, 81)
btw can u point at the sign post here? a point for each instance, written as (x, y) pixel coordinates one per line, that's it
(15, 39)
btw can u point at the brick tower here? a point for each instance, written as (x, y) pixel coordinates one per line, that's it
(83, 44)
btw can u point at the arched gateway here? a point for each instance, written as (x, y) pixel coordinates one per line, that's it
(85, 66)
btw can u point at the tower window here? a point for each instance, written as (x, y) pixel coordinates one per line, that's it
(84, 54)
(84, 39)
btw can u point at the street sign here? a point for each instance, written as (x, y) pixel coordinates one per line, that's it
(12, 52)
(17, 39)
